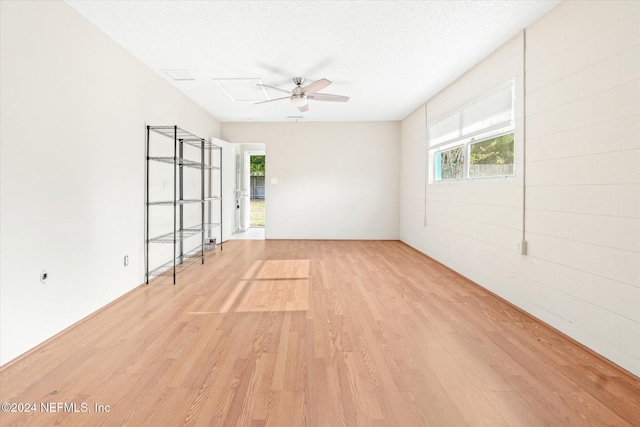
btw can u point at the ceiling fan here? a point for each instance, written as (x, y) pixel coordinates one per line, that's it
(300, 96)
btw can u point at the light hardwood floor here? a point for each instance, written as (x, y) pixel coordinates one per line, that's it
(317, 333)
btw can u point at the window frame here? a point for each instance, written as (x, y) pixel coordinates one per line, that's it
(467, 140)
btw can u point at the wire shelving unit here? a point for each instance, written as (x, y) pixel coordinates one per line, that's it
(181, 236)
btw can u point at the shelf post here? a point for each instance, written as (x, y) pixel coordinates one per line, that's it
(202, 193)
(181, 199)
(146, 202)
(175, 183)
(221, 201)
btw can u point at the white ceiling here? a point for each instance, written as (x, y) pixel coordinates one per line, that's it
(387, 56)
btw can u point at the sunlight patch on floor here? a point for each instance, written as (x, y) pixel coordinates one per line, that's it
(271, 285)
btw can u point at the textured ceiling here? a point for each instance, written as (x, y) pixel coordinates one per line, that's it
(387, 56)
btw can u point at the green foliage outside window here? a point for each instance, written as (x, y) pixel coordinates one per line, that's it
(257, 165)
(493, 157)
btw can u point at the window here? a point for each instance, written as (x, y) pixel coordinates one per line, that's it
(476, 140)
(449, 164)
(491, 157)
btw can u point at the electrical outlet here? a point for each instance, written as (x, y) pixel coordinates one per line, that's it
(522, 247)
(126, 260)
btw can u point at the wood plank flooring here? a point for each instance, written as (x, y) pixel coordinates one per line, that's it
(316, 333)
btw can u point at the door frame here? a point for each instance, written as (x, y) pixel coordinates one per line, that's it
(245, 204)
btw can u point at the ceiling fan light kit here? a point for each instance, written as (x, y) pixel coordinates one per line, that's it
(299, 100)
(300, 96)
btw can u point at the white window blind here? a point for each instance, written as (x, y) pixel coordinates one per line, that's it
(491, 111)
(445, 129)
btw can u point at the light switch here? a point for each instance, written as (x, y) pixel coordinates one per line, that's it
(274, 180)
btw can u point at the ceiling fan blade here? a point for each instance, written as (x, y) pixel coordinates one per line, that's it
(328, 97)
(274, 88)
(275, 99)
(303, 108)
(316, 86)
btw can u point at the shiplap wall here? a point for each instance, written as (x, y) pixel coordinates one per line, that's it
(582, 216)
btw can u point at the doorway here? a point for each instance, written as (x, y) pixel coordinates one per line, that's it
(251, 192)
(257, 199)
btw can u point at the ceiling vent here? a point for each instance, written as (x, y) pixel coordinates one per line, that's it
(243, 90)
(179, 74)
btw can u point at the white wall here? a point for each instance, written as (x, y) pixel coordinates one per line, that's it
(334, 180)
(582, 271)
(73, 107)
(228, 187)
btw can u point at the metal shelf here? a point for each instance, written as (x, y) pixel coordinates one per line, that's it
(177, 161)
(184, 136)
(183, 202)
(180, 235)
(174, 131)
(184, 233)
(179, 232)
(178, 202)
(183, 162)
(188, 259)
